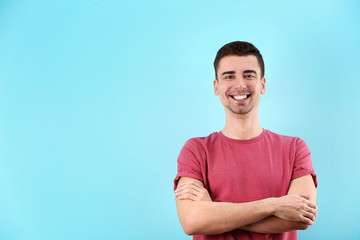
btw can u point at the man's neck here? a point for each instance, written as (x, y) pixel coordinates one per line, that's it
(242, 127)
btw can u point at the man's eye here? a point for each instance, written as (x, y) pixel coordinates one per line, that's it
(228, 77)
(249, 76)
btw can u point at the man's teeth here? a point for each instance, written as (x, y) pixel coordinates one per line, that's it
(240, 97)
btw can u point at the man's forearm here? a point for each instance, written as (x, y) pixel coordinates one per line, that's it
(210, 218)
(274, 225)
(199, 215)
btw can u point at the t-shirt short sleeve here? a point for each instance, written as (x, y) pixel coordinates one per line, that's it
(302, 163)
(189, 163)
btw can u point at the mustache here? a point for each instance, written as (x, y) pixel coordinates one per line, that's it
(239, 92)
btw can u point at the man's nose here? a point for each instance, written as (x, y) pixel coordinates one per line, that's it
(240, 83)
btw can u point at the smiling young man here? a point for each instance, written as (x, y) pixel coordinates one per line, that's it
(244, 182)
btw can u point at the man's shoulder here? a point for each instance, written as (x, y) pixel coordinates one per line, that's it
(280, 138)
(204, 140)
(197, 148)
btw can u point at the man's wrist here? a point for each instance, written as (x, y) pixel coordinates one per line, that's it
(271, 205)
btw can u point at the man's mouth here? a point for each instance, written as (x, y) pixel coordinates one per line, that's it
(240, 96)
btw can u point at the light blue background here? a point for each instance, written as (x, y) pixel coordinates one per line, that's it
(97, 98)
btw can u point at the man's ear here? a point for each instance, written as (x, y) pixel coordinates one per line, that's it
(262, 83)
(216, 85)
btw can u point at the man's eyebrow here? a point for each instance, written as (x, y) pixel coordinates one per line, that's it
(250, 71)
(228, 72)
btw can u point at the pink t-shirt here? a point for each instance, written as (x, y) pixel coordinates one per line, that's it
(245, 170)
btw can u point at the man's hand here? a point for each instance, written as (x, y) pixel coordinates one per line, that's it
(204, 217)
(296, 208)
(199, 215)
(192, 191)
(299, 186)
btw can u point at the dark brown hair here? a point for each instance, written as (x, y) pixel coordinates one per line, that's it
(239, 48)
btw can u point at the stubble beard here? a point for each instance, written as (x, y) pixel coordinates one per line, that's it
(239, 111)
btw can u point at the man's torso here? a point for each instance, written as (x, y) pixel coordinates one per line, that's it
(244, 170)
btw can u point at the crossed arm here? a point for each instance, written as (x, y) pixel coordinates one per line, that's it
(199, 215)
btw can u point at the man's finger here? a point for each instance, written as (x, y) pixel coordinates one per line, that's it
(198, 187)
(186, 191)
(309, 216)
(312, 210)
(312, 205)
(189, 196)
(182, 186)
(189, 185)
(306, 220)
(305, 195)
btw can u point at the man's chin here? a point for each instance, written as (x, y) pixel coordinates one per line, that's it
(240, 111)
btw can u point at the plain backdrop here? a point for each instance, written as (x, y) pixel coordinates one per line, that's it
(98, 97)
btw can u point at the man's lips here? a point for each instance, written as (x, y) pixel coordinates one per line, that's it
(240, 96)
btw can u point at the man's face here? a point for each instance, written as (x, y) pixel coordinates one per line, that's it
(239, 83)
